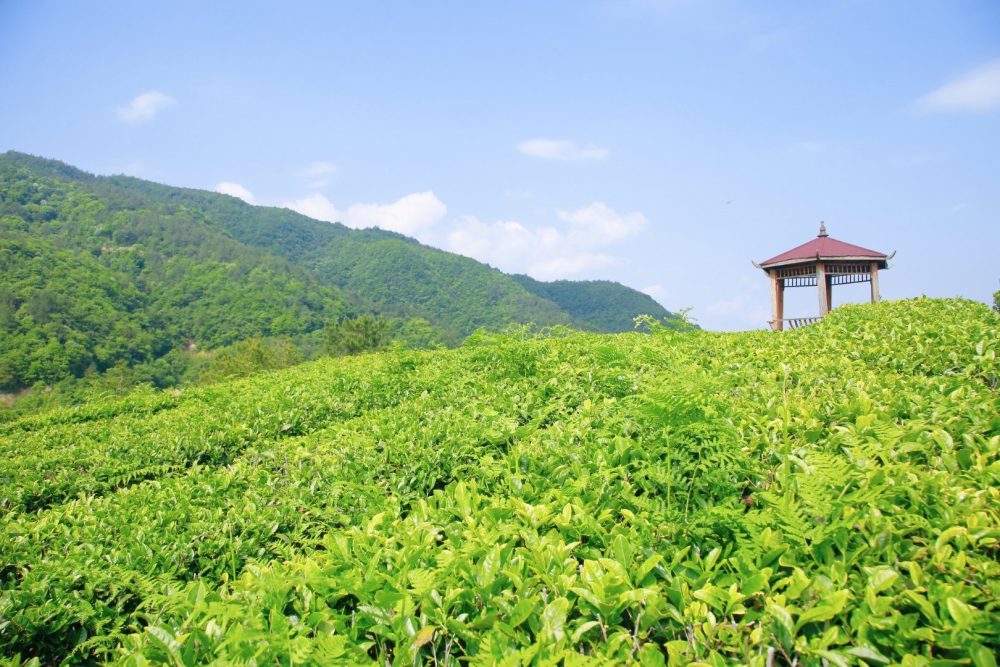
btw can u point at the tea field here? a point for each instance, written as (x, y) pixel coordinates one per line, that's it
(825, 496)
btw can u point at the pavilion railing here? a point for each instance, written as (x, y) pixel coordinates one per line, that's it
(800, 281)
(837, 274)
(794, 322)
(858, 269)
(850, 278)
(796, 271)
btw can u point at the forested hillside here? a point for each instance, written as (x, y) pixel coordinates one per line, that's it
(91, 279)
(595, 305)
(100, 272)
(824, 496)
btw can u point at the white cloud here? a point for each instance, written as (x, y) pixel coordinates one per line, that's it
(144, 107)
(561, 149)
(979, 90)
(410, 214)
(235, 190)
(658, 292)
(542, 252)
(319, 173)
(316, 206)
(599, 224)
(547, 252)
(407, 215)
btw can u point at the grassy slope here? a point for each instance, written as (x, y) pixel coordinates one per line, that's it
(825, 494)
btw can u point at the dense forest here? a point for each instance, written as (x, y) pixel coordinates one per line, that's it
(593, 304)
(123, 276)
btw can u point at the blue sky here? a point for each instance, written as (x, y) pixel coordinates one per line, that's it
(663, 144)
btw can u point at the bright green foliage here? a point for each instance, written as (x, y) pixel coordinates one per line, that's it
(826, 496)
(415, 333)
(95, 274)
(353, 335)
(62, 313)
(250, 356)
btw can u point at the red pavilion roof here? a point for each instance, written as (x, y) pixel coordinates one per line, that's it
(824, 247)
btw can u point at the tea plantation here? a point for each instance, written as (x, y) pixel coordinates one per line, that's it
(826, 496)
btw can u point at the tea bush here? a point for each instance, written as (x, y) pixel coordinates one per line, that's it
(822, 496)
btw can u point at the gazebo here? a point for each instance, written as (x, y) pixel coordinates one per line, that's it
(822, 262)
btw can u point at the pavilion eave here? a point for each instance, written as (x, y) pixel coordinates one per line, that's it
(882, 260)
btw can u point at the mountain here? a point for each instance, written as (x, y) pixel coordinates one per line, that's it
(598, 305)
(100, 271)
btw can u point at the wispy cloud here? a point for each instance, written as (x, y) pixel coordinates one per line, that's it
(561, 149)
(316, 206)
(144, 107)
(978, 90)
(235, 190)
(319, 173)
(411, 214)
(583, 242)
(598, 224)
(657, 291)
(542, 252)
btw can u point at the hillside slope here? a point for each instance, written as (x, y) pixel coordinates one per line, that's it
(99, 271)
(825, 495)
(91, 279)
(596, 305)
(394, 273)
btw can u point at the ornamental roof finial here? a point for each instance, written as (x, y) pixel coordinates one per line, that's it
(822, 229)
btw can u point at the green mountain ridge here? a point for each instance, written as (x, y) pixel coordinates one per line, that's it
(106, 270)
(594, 304)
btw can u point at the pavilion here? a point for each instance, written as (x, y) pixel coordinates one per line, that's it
(822, 262)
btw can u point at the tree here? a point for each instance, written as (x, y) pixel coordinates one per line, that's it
(357, 334)
(250, 356)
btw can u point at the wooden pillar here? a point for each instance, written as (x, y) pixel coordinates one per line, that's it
(876, 297)
(777, 300)
(824, 291)
(829, 293)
